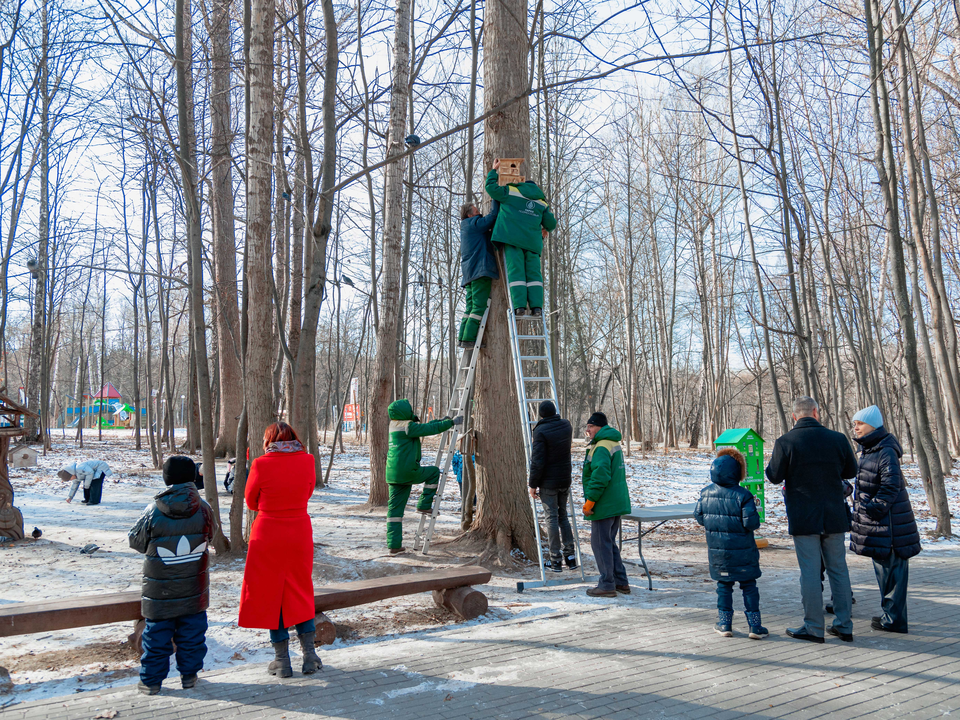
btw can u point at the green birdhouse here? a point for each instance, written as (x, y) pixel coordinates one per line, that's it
(750, 445)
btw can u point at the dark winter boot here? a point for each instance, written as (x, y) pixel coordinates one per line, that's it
(757, 631)
(147, 689)
(280, 666)
(724, 623)
(188, 681)
(311, 661)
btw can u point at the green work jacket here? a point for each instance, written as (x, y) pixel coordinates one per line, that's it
(604, 476)
(403, 457)
(523, 211)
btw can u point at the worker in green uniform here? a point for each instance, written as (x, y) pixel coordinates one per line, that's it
(403, 466)
(524, 215)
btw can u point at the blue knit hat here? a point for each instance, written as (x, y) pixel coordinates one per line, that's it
(871, 416)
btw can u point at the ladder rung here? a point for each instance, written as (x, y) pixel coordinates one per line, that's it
(538, 400)
(534, 357)
(530, 337)
(535, 379)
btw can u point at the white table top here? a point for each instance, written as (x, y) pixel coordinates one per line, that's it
(656, 513)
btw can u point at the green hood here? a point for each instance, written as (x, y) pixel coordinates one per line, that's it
(400, 410)
(531, 190)
(605, 433)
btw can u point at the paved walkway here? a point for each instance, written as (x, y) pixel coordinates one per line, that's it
(610, 663)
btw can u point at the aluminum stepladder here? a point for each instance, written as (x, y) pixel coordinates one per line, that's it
(533, 387)
(459, 405)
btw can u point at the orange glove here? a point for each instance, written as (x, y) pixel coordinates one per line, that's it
(588, 507)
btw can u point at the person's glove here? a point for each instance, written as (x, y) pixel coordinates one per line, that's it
(588, 507)
(457, 421)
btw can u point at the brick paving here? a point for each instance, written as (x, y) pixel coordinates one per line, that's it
(614, 662)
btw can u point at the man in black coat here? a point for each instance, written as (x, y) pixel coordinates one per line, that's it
(173, 533)
(550, 476)
(884, 528)
(813, 462)
(478, 267)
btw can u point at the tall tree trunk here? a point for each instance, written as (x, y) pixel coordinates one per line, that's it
(224, 238)
(503, 520)
(389, 300)
(186, 158)
(885, 163)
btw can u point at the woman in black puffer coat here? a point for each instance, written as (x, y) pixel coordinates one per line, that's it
(883, 526)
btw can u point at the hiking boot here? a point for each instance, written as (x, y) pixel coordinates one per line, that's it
(520, 312)
(623, 589)
(537, 312)
(597, 592)
(280, 665)
(311, 661)
(846, 637)
(428, 511)
(188, 681)
(397, 551)
(147, 689)
(554, 565)
(467, 344)
(724, 626)
(572, 562)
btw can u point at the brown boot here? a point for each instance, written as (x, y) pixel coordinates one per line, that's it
(311, 661)
(280, 665)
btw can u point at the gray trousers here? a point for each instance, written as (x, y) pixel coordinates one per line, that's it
(893, 573)
(606, 551)
(559, 532)
(831, 550)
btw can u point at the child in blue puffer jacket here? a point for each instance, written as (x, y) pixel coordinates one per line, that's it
(728, 512)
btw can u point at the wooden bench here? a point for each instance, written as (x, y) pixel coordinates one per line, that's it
(451, 589)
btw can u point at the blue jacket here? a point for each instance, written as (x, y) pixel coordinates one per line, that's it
(477, 258)
(729, 514)
(883, 517)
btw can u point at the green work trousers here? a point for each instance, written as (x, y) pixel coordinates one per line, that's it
(524, 277)
(478, 292)
(399, 494)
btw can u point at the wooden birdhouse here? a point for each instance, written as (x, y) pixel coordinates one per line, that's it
(509, 171)
(23, 456)
(750, 445)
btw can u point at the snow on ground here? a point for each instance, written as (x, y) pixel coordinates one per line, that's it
(349, 545)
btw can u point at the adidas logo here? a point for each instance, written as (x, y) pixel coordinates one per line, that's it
(183, 554)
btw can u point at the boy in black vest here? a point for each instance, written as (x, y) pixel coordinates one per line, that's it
(729, 514)
(173, 532)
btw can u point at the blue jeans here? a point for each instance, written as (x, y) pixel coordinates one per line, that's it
(282, 633)
(188, 632)
(603, 542)
(831, 550)
(751, 595)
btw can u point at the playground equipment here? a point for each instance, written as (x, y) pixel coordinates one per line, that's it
(750, 445)
(11, 416)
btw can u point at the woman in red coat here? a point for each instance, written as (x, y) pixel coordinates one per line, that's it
(278, 577)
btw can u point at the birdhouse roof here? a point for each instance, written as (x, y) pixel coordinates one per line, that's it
(735, 435)
(108, 391)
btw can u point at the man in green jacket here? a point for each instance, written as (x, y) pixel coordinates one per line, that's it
(522, 223)
(403, 466)
(605, 500)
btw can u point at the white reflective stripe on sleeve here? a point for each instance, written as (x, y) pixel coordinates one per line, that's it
(430, 487)
(399, 425)
(519, 282)
(475, 317)
(534, 284)
(396, 519)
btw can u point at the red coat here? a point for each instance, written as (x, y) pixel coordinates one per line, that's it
(279, 569)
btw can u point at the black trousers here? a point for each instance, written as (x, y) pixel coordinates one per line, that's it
(92, 494)
(892, 573)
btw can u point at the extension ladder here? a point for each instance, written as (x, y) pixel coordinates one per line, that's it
(459, 406)
(533, 370)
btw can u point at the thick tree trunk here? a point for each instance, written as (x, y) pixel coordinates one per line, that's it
(389, 300)
(503, 519)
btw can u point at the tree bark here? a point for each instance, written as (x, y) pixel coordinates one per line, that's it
(389, 300)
